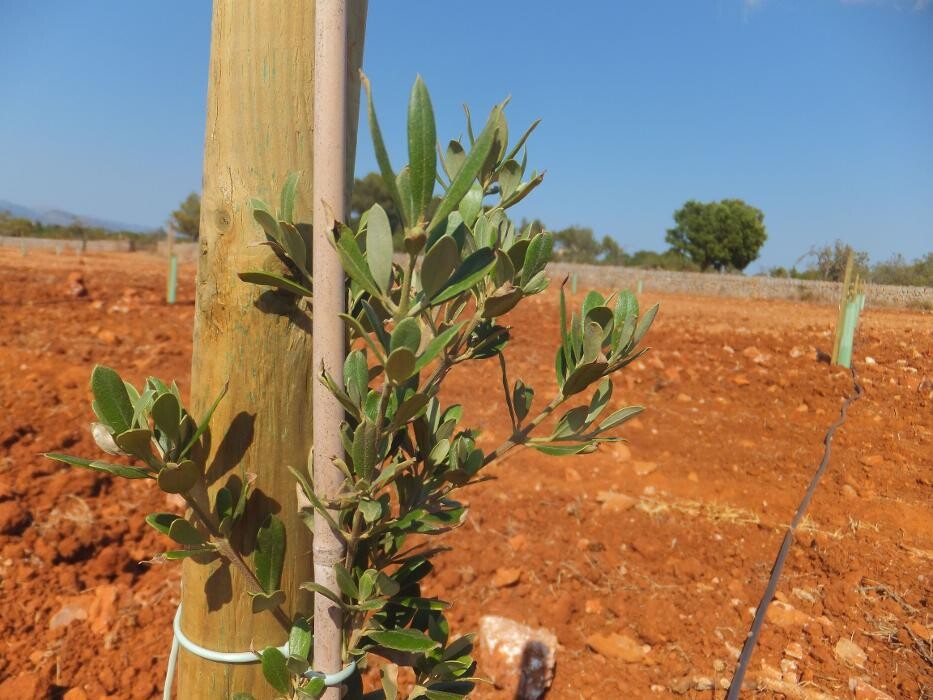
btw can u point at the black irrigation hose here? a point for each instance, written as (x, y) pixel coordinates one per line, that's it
(748, 649)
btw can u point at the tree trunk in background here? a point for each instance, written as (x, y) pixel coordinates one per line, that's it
(259, 128)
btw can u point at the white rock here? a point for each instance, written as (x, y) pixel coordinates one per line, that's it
(518, 658)
(849, 652)
(68, 614)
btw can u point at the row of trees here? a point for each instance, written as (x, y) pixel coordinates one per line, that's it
(829, 263)
(722, 236)
(725, 236)
(19, 227)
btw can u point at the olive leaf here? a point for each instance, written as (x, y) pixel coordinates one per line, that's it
(422, 158)
(439, 264)
(454, 159)
(136, 442)
(269, 279)
(462, 182)
(299, 645)
(184, 532)
(179, 478)
(269, 557)
(379, 246)
(287, 198)
(274, 669)
(382, 155)
(95, 465)
(112, 399)
(470, 271)
(403, 640)
(266, 601)
(407, 334)
(400, 365)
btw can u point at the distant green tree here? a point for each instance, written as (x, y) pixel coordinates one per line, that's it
(831, 262)
(897, 270)
(576, 244)
(668, 260)
(187, 218)
(611, 253)
(78, 231)
(722, 235)
(368, 191)
(14, 226)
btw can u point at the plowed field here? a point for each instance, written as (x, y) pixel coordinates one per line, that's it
(646, 559)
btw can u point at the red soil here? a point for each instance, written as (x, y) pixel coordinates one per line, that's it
(737, 407)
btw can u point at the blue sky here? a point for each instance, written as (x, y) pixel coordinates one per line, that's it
(820, 112)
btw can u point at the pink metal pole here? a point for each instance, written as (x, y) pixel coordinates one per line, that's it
(330, 201)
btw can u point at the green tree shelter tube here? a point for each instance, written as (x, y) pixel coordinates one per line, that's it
(849, 322)
(172, 279)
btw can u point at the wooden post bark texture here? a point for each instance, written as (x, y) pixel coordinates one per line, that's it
(259, 128)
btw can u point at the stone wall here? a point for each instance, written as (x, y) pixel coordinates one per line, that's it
(69, 246)
(185, 252)
(605, 277)
(711, 284)
(596, 277)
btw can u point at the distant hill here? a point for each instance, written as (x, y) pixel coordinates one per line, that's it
(58, 217)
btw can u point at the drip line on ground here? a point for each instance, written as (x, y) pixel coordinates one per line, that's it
(735, 686)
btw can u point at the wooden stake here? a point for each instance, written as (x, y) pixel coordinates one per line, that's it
(259, 128)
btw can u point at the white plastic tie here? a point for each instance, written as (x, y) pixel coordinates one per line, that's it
(234, 657)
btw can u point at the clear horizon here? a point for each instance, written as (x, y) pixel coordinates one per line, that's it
(819, 112)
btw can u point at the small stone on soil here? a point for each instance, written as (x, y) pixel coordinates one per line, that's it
(517, 542)
(614, 502)
(503, 578)
(786, 615)
(863, 691)
(851, 653)
(68, 614)
(76, 286)
(644, 468)
(518, 658)
(618, 646)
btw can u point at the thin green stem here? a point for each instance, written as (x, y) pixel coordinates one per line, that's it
(519, 437)
(405, 294)
(450, 358)
(383, 404)
(507, 392)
